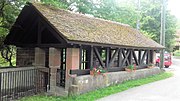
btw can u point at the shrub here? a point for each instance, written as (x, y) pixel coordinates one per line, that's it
(176, 53)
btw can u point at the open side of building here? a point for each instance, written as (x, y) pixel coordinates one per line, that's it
(70, 44)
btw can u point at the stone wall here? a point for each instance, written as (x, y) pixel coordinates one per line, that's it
(25, 57)
(83, 84)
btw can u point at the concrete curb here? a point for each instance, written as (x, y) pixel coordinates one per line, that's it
(176, 57)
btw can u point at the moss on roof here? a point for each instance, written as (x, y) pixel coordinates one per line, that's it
(78, 27)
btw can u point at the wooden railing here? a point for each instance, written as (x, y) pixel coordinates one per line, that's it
(19, 82)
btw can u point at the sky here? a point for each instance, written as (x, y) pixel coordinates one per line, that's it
(174, 7)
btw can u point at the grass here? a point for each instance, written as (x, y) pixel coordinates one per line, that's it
(94, 95)
(176, 53)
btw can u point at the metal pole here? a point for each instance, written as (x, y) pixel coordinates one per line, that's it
(138, 21)
(162, 35)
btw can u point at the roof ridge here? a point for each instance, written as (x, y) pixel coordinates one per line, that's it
(80, 14)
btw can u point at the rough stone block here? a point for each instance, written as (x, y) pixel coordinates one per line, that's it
(86, 83)
(73, 90)
(39, 57)
(54, 57)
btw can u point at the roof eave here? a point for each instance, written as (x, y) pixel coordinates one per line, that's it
(111, 45)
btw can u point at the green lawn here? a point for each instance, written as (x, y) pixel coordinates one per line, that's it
(94, 95)
(176, 53)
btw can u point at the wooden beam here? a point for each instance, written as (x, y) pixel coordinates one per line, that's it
(139, 57)
(125, 57)
(143, 57)
(45, 45)
(107, 57)
(40, 29)
(53, 31)
(130, 57)
(88, 55)
(115, 69)
(112, 45)
(99, 57)
(113, 57)
(91, 57)
(151, 56)
(80, 72)
(80, 57)
(120, 58)
(135, 58)
(124, 54)
(148, 57)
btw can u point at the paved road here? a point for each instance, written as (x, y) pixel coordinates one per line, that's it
(164, 90)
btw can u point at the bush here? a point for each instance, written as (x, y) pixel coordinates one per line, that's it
(176, 53)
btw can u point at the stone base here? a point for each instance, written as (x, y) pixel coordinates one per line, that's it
(58, 91)
(83, 84)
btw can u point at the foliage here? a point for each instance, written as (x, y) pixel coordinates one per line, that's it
(98, 70)
(150, 64)
(9, 10)
(178, 24)
(4, 63)
(106, 9)
(176, 53)
(7, 53)
(149, 34)
(150, 22)
(94, 95)
(56, 3)
(131, 67)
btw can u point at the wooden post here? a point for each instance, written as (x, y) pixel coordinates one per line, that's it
(99, 57)
(148, 57)
(91, 57)
(120, 58)
(125, 57)
(107, 57)
(80, 57)
(40, 29)
(151, 56)
(114, 56)
(130, 57)
(135, 57)
(143, 57)
(139, 57)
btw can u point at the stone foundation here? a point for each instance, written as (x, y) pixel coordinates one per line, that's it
(83, 84)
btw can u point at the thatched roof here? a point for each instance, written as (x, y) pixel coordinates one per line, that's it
(74, 28)
(78, 27)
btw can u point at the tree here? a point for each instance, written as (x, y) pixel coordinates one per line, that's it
(106, 9)
(56, 3)
(9, 10)
(171, 27)
(150, 22)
